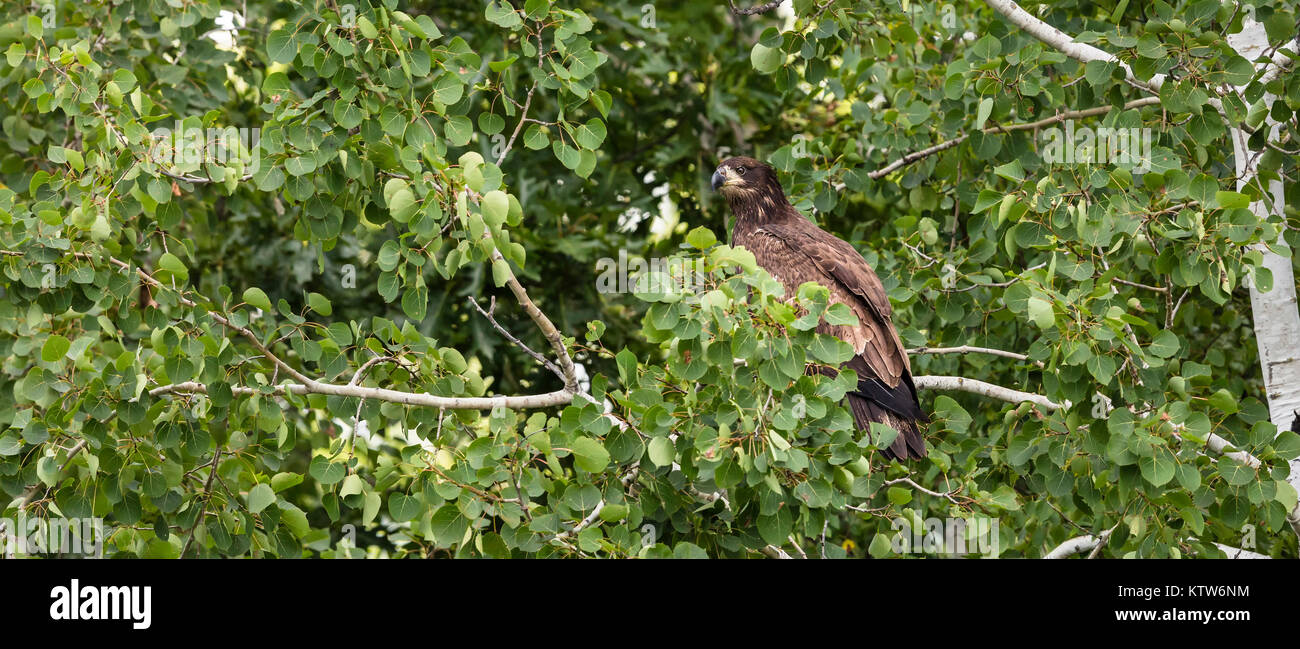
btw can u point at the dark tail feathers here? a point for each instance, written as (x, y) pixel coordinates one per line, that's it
(894, 407)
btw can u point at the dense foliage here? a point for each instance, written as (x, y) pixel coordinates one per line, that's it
(171, 305)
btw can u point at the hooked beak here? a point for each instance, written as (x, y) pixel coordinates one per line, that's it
(718, 180)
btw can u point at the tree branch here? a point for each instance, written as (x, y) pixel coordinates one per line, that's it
(523, 117)
(949, 496)
(774, 552)
(759, 9)
(207, 495)
(307, 385)
(1027, 126)
(520, 402)
(990, 390)
(967, 349)
(1238, 553)
(1066, 44)
(508, 336)
(1079, 544)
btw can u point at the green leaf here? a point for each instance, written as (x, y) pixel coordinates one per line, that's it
(701, 238)
(1234, 472)
(880, 546)
(300, 165)
(172, 264)
(775, 528)
(982, 113)
(367, 28)
(613, 513)
(256, 297)
(688, 550)
(1040, 312)
(285, 480)
(48, 471)
(402, 204)
(54, 348)
(1223, 400)
(347, 114)
(320, 304)
(326, 472)
(10, 445)
(535, 137)
(590, 454)
(280, 46)
(403, 507)
(1011, 171)
(1158, 468)
(501, 273)
(458, 130)
(1165, 344)
(259, 497)
(496, 207)
(661, 451)
(1231, 200)
(448, 526)
(415, 302)
(766, 60)
(352, 485)
(592, 134)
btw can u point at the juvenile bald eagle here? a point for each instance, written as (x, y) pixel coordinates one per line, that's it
(794, 250)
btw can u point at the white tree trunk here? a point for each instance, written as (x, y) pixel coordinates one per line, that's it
(1276, 315)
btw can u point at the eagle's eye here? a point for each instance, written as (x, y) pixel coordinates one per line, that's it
(740, 171)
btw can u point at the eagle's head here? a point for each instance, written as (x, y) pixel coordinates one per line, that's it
(743, 177)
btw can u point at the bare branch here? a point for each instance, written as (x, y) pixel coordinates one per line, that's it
(1158, 289)
(984, 389)
(1238, 553)
(1225, 448)
(775, 553)
(1079, 544)
(950, 496)
(967, 349)
(508, 336)
(518, 402)
(523, 117)
(207, 495)
(759, 9)
(307, 385)
(1065, 44)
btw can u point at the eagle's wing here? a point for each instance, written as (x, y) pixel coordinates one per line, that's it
(815, 255)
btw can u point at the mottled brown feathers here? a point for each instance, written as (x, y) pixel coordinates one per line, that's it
(794, 250)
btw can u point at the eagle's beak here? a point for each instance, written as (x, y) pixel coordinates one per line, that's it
(718, 180)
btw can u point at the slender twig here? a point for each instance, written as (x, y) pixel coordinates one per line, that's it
(1158, 289)
(207, 495)
(951, 496)
(510, 337)
(967, 349)
(759, 9)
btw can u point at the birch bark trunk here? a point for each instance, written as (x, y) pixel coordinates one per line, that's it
(1275, 313)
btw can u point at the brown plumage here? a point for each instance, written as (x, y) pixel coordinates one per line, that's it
(794, 250)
